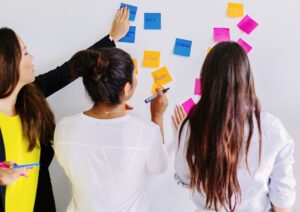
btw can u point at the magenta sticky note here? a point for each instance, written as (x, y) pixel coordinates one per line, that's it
(221, 34)
(188, 105)
(247, 24)
(245, 45)
(198, 88)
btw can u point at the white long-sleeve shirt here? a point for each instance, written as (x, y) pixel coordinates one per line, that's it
(271, 182)
(107, 161)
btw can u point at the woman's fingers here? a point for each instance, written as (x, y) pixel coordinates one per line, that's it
(181, 112)
(175, 122)
(178, 116)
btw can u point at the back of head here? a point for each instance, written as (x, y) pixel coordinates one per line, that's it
(217, 124)
(105, 72)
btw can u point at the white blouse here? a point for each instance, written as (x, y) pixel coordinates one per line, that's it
(271, 182)
(107, 161)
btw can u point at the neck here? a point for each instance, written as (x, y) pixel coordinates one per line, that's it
(104, 111)
(8, 104)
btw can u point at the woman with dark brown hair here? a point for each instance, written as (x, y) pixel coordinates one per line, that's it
(232, 156)
(114, 151)
(27, 123)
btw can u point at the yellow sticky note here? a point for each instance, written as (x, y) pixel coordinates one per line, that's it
(161, 76)
(208, 49)
(136, 68)
(151, 59)
(235, 10)
(154, 86)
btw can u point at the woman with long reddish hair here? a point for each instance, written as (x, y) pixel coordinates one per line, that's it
(232, 156)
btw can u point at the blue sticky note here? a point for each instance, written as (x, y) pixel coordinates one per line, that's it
(183, 47)
(152, 21)
(130, 36)
(132, 10)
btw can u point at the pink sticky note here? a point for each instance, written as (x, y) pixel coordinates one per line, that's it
(247, 24)
(221, 34)
(245, 45)
(198, 88)
(188, 105)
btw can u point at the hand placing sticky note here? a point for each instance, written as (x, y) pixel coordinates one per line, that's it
(151, 59)
(221, 34)
(152, 21)
(188, 105)
(245, 45)
(161, 76)
(235, 10)
(130, 36)
(198, 88)
(136, 68)
(182, 47)
(132, 10)
(247, 24)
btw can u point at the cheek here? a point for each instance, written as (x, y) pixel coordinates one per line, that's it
(26, 71)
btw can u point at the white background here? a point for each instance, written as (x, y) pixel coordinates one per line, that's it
(54, 30)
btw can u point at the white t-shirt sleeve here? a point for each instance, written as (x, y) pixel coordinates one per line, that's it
(157, 161)
(182, 175)
(282, 181)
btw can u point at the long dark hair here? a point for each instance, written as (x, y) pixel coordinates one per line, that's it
(217, 125)
(105, 72)
(36, 117)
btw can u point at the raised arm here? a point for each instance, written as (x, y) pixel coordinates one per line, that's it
(59, 77)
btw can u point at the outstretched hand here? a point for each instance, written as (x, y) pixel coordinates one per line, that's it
(120, 25)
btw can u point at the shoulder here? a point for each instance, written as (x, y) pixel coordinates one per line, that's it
(274, 130)
(69, 120)
(143, 124)
(66, 123)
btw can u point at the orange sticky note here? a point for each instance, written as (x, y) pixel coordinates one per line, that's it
(154, 86)
(136, 68)
(208, 49)
(151, 59)
(161, 76)
(235, 10)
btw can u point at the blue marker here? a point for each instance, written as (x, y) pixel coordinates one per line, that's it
(151, 98)
(26, 165)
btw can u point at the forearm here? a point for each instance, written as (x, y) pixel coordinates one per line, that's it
(159, 120)
(56, 79)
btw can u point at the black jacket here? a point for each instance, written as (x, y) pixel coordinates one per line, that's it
(48, 83)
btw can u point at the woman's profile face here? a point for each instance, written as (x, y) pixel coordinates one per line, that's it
(26, 65)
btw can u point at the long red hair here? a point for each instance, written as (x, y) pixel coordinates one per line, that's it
(217, 125)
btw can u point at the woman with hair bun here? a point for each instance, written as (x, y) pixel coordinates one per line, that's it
(106, 153)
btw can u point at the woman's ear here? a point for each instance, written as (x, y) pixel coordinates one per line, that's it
(126, 91)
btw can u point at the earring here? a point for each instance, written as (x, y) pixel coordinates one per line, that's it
(126, 94)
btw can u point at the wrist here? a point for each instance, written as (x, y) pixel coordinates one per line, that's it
(157, 118)
(112, 37)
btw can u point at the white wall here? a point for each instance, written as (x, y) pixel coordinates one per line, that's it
(54, 30)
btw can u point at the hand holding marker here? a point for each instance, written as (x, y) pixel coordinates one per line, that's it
(11, 165)
(151, 98)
